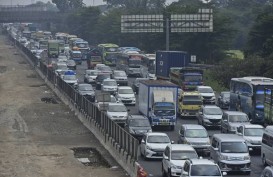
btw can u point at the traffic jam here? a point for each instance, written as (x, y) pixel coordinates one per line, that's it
(184, 127)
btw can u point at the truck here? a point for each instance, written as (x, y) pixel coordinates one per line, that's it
(93, 58)
(53, 48)
(158, 102)
(189, 104)
(167, 59)
(76, 55)
(268, 107)
(188, 78)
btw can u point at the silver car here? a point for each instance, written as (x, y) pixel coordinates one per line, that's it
(196, 136)
(120, 77)
(232, 120)
(210, 116)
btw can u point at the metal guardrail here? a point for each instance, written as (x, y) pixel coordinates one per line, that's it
(109, 128)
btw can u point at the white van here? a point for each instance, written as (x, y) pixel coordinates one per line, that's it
(267, 146)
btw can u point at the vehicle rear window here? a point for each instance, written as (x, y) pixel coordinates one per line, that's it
(205, 170)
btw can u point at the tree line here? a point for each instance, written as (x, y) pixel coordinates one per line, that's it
(244, 25)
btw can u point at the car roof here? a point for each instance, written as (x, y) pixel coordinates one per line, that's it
(124, 87)
(184, 147)
(252, 126)
(115, 104)
(193, 126)
(234, 113)
(156, 134)
(229, 137)
(211, 106)
(109, 80)
(202, 162)
(116, 71)
(84, 85)
(137, 117)
(269, 128)
(204, 87)
(225, 92)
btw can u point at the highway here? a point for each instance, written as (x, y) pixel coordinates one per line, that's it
(153, 167)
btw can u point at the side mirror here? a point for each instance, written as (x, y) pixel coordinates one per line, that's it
(200, 113)
(216, 149)
(172, 142)
(165, 157)
(142, 141)
(240, 134)
(250, 149)
(225, 120)
(224, 173)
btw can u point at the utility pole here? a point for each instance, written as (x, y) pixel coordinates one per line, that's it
(167, 35)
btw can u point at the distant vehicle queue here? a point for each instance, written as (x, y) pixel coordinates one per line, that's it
(169, 88)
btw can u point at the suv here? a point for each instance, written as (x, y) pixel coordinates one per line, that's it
(109, 85)
(210, 116)
(223, 100)
(120, 77)
(207, 93)
(137, 125)
(117, 112)
(174, 158)
(126, 95)
(90, 76)
(196, 136)
(230, 152)
(153, 145)
(201, 167)
(232, 120)
(252, 134)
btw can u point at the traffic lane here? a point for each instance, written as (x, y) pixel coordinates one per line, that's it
(153, 167)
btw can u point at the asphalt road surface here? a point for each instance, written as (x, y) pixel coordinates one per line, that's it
(153, 167)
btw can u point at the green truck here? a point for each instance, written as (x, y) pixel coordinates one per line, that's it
(186, 77)
(268, 107)
(53, 48)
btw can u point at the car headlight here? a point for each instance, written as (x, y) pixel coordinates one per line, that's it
(148, 147)
(247, 157)
(174, 166)
(213, 97)
(149, 130)
(223, 157)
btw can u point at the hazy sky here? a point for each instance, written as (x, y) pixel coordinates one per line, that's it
(24, 2)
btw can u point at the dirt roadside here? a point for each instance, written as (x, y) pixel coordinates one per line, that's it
(37, 138)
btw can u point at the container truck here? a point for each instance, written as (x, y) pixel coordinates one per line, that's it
(158, 102)
(188, 78)
(53, 48)
(268, 107)
(167, 59)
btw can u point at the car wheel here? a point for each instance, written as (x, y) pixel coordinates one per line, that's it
(264, 160)
(163, 171)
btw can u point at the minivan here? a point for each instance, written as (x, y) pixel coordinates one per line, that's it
(267, 146)
(230, 152)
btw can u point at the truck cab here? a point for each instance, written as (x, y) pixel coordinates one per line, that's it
(189, 104)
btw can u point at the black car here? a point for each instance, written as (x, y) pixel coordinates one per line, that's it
(100, 78)
(137, 126)
(223, 100)
(135, 84)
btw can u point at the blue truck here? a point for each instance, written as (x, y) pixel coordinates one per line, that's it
(168, 59)
(158, 102)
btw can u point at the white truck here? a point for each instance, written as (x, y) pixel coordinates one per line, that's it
(158, 102)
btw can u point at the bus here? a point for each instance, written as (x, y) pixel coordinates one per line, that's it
(109, 53)
(147, 68)
(247, 95)
(83, 46)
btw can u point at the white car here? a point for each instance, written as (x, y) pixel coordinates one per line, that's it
(70, 79)
(253, 134)
(117, 112)
(109, 85)
(174, 158)
(207, 93)
(126, 95)
(121, 77)
(153, 145)
(90, 76)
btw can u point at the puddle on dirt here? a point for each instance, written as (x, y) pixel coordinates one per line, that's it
(3, 69)
(49, 100)
(90, 157)
(22, 62)
(32, 76)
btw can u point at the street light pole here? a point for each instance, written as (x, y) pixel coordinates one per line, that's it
(167, 34)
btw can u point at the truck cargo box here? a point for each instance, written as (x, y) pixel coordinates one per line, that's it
(167, 59)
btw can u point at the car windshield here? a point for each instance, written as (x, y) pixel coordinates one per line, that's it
(226, 95)
(205, 170)
(139, 123)
(120, 74)
(105, 68)
(117, 108)
(234, 147)
(62, 67)
(92, 73)
(125, 91)
(101, 77)
(193, 78)
(70, 77)
(238, 118)
(158, 139)
(254, 132)
(71, 62)
(213, 111)
(85, 87)
(109, 83)
(196, 133)
(205, 90)
(183, 155)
